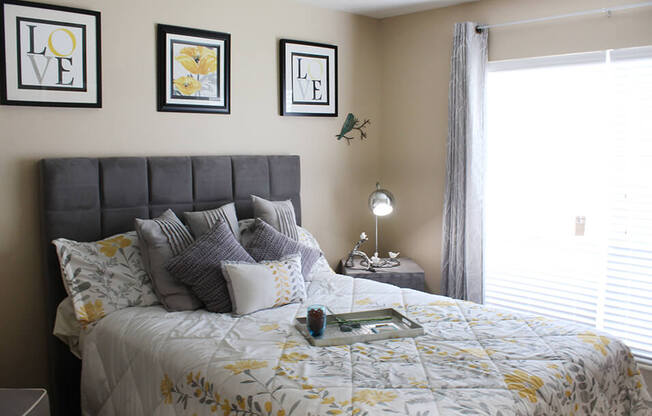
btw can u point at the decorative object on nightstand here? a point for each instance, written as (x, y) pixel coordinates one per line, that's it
(24, 402)
(365, 261)
(406, 275)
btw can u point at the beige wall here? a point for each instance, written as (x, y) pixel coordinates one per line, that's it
(415, 65)
(394, 72)
(334, 175)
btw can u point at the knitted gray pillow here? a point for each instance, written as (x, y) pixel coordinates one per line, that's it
(198, 266)
(268, 244)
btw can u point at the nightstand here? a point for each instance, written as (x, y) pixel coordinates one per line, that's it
(408, 275)
(24, 402)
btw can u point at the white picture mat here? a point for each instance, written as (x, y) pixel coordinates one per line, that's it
(169, 37)
(62, 43)
(314, 67)
(12, 11)
(287, 94)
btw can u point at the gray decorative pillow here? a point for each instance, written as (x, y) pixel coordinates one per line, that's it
(161, 239)
(200, 222)
(199, 266)
(278, 214)
(268, 284)
(305, 237)
(268, 244)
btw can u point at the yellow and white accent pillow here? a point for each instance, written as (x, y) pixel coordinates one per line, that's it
(104, 276)
(263, 285)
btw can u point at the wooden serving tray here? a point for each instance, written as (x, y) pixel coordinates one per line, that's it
(402, 327)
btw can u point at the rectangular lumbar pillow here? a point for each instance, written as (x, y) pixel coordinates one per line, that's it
(264, 285)
(163, 238)
(278, 214)
(200, 222)
(198, 266)
(268, 244)
(104, 276)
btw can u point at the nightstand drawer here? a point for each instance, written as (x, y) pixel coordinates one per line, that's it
(407, 275)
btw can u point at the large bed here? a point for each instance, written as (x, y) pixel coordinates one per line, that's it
(472, 360)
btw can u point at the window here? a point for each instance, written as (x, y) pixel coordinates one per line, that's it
(568, 220)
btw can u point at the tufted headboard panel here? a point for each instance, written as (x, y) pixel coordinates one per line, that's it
(87, 199)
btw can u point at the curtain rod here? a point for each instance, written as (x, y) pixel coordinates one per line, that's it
(606, 10)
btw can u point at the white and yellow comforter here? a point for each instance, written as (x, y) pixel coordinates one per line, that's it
(473, 360)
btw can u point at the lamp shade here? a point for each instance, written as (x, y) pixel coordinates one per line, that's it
(381, 202)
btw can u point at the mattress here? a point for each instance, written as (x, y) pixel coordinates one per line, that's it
(472, 360)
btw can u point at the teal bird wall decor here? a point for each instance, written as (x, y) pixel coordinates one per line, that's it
(351, 123)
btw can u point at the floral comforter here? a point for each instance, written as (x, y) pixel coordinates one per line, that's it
(473, 360)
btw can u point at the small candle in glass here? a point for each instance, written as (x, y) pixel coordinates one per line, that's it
(316, 320)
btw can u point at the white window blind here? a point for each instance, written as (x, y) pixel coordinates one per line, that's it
(568, 221)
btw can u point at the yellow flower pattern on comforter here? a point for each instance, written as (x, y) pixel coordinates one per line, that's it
(472, 360)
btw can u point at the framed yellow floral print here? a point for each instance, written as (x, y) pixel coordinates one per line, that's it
(193, 70)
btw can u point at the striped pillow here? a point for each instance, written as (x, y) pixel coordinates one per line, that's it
(200, 222)
(278, 214)
(161, 239)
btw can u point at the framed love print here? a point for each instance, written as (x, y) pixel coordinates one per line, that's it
(308, 74)
(193, 70)
(50, 55)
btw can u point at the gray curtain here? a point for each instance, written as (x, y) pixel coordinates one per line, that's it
(462, 265)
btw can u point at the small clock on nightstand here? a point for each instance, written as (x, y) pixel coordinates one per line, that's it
(407, 275)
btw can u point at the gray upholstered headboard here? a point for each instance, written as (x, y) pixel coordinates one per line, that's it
(86, 199)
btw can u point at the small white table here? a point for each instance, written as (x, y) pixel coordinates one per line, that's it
(24, 402)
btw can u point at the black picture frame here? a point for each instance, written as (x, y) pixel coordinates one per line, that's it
(92, 80)
(176, 101)
(320, 51)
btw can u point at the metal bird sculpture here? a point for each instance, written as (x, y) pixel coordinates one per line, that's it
(352, 123)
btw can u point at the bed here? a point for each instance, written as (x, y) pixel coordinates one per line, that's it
(472, 360)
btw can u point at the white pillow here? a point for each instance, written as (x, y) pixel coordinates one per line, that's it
(104, 276)
(66, 326)
(268, 284)
(321, 265)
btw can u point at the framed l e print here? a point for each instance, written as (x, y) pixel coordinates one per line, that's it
(49, 55)
(308, 78)
(193, 70)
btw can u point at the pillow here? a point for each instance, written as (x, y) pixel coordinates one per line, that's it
(278, 214)
(268, 284)
(163, 238)
(201, 222)
(199, 266)
(268, 244)
(66, 326)
(246, 228)
(104, 276)
(321, 265)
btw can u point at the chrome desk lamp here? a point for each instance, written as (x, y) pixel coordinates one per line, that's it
(381, 203)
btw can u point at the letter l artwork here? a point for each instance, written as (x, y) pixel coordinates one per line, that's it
(31, 53)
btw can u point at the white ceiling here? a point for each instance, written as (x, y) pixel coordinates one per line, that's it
(383, 8)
